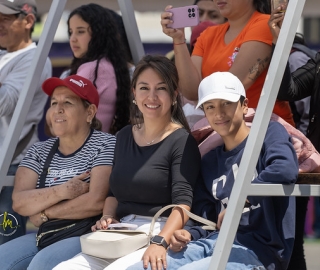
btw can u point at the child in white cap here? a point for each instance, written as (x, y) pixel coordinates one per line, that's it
(265, 235)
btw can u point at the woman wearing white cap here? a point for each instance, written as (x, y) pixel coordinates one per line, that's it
(76, 181)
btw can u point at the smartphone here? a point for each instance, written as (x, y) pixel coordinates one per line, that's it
(277, 3)
(122, 226)
(184, 16)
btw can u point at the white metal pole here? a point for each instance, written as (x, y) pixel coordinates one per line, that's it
(256, 136)
(29, 88)
(132, 31)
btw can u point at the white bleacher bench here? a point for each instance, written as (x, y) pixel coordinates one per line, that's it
(308, 184)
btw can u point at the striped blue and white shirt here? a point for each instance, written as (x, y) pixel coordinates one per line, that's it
(97, 150)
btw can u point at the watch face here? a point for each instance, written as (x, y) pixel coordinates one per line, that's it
(157, 239)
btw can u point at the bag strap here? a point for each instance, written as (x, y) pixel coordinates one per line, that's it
(23, 143)
(210, 225)
(44, 172)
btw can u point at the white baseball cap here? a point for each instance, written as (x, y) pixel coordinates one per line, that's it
(220, 85)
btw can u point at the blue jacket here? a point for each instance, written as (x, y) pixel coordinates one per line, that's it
(267, 226)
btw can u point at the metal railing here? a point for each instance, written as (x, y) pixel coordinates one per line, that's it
(242, 186)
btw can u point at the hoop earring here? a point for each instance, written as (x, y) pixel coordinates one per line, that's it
(134, 102)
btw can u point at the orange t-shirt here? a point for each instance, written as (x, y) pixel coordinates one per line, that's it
(217, 56)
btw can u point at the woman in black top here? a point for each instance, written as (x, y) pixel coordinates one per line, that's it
(156, 163)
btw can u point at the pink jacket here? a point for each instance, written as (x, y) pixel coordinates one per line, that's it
(106, 85)
(308, 157)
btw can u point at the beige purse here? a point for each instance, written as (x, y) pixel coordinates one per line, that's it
(113, 244)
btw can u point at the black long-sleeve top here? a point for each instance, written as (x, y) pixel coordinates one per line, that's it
(144, 179)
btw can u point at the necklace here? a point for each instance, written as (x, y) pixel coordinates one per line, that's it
(149, 143)
(160, 134)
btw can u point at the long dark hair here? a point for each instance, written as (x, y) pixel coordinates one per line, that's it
(105, 43)
(123, 35)
(168, 72)
(262, 6)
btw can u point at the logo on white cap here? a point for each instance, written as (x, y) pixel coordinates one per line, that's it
(230, 88)
(220, 85)
(80, 83)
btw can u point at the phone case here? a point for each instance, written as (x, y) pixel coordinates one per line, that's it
(184, 16)
(277, 3)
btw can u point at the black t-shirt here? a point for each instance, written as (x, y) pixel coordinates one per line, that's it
(144, 179)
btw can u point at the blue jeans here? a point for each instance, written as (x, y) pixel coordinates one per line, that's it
(197, 255)
(22, 253)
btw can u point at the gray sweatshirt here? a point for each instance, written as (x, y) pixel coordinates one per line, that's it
(14, 68)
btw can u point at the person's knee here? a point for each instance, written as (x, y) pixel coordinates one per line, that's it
(56, 253)
(36, 264)
(41, 260)
(17, 254)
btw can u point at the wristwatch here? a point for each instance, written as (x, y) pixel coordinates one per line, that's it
(159, 240)
(43, 216)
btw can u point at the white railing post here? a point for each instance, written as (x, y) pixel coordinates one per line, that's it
(132, 31)
(258, 130)
(28, 91)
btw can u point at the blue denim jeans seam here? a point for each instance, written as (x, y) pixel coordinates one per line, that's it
(21, 259)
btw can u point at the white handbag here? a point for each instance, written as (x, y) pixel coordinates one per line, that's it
(113, 244)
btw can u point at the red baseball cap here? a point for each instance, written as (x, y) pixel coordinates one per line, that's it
(82, 87)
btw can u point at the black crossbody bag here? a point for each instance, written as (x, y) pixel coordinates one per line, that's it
(55, 230)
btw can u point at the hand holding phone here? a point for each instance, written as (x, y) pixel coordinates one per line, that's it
(277, 3)
(184, 16)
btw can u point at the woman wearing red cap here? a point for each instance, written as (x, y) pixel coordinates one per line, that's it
(77, 179)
